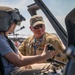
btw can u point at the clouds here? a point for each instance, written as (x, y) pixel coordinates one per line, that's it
(14, 3)
(22, 6)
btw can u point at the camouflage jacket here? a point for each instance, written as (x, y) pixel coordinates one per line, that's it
(27, 46)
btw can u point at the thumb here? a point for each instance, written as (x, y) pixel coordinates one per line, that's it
(45, 48)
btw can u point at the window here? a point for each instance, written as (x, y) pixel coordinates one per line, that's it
(60, 8)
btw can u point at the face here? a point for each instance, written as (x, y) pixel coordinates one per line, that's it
(12, 28)
(38, 30)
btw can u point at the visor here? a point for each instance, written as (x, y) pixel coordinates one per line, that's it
(16, 17)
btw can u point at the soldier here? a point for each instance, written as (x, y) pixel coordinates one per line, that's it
(34, 45)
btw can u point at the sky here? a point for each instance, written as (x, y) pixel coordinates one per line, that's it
(22, 6)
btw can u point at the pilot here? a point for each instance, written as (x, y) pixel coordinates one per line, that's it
(11, 59)
(34, 44)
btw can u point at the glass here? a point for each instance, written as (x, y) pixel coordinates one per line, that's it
(60, 8)
(48, 25)
(39, 26)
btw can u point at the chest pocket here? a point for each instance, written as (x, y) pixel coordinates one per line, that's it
(29, 49)
(39, 49)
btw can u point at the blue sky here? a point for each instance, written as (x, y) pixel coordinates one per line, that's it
(57, 6)
(22, 6)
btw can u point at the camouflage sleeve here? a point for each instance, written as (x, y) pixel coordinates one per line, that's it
(21, 48)
(59, 49)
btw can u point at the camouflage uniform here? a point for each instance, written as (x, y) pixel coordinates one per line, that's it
(27, 46)
(32, 46)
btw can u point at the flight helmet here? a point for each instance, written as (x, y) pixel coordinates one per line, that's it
(9, 15)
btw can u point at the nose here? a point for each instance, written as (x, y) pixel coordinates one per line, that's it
(39, 28)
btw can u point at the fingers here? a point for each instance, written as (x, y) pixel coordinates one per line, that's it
(48, 53)
(52, 54)
(45, 46)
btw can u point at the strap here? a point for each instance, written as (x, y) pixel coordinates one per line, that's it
(1, 67)
(10, 43)
(1, 63)
(36, 44)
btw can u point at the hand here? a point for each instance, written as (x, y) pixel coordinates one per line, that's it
(47, 53)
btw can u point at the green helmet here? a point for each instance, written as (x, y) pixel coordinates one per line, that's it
(8, 16)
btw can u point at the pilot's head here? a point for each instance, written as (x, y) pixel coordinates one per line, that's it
(8, 16)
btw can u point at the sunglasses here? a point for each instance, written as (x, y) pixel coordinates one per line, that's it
(39, 26)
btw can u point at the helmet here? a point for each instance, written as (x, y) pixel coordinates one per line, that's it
(7, 16)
